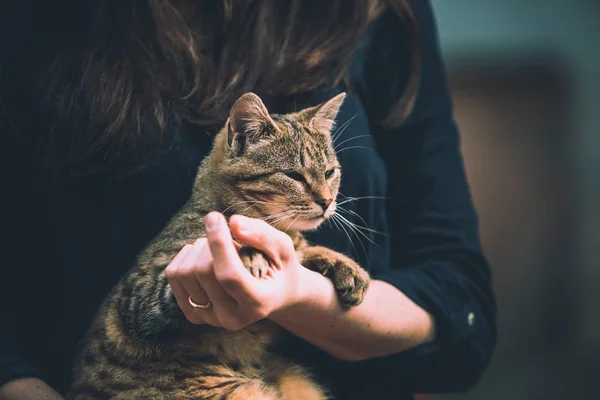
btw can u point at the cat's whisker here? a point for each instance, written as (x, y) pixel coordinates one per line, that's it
(328, 221)
(362, 197)
(351, 199)
(293, 222)
(366, 227)
(253, 205)
(268, 201)
(360, 228)
(247, 208)
(355, 228)
(276, 216)
(266, 217)
(349, 139)
(280, 220)
(353, 147)
(273, 216)
(342, 223)
(367, 233)
(334, 223)
(249, 201)
(338, 132)
(261, 198)
(335, 134)
(334, 218)
(274, 225)
(343, 195)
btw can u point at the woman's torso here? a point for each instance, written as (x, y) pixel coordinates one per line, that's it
(72, 238)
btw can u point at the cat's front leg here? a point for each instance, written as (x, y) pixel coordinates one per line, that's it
(147, 306)
(349, 279)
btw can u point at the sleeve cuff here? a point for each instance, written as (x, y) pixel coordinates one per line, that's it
(456, 360)
(452, 323)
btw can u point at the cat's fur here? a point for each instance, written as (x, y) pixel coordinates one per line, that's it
(140, 346)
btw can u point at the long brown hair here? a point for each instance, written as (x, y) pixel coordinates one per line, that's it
(135, 61)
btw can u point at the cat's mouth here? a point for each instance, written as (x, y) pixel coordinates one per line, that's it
(301, 218)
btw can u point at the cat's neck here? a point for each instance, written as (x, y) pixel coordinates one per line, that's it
(206, 194)
(210, 191)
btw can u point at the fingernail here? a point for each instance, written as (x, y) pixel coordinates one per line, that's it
(242, 223)
(212, 221)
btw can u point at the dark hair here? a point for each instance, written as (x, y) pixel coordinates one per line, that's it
(134, 61)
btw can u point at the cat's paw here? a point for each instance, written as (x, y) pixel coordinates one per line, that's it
(254, 261)
(349, 279)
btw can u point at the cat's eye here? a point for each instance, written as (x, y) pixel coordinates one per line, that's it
(329, 173)
(295, 176)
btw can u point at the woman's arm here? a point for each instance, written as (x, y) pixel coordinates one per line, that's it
(386, 322)
(27, 389)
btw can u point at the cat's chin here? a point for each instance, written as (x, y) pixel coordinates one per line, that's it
(306, 225)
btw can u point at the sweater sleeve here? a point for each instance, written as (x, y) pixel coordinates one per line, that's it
(437, 258)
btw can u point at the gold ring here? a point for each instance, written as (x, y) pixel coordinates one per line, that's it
(196, 305)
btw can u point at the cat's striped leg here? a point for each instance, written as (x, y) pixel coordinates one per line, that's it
(147, 307)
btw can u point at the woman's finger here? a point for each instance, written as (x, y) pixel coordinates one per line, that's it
(221, 300)
(187, 273)
(277, 245)
(174, 273)
(182, 296)
(171, 275)
(174, 264)
(194, 292)
(227, 265)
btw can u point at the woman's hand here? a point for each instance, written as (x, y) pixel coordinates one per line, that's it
(211, 272)
(301, 301)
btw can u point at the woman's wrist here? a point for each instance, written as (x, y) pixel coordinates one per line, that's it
(312, 290)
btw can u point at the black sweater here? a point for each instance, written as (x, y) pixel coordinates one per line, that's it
(67, 240)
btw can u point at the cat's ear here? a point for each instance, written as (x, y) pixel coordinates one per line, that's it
(323, 115)
(248, 123)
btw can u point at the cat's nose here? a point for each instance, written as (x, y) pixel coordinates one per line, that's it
(324, 202)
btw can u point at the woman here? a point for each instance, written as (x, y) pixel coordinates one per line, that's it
(108, 108)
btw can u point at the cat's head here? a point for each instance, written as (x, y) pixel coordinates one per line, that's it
(281, 168)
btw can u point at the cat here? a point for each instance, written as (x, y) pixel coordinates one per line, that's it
(140, 346)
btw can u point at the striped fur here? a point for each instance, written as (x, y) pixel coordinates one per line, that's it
(140, 346)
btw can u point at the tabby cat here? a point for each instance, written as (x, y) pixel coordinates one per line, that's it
(140, 346)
